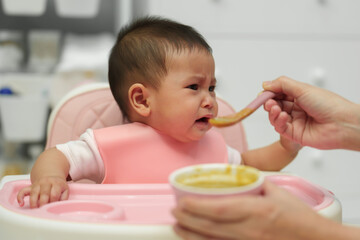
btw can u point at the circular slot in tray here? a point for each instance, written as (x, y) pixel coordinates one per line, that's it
(86, 210)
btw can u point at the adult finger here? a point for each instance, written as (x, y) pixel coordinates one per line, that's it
(274, 114)
(199, 226)
(224, 209)
(281, 124)
(188, 234)
(269, 104)
(285, 85)
(228, 208)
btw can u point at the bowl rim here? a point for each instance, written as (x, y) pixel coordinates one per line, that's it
(214, 191)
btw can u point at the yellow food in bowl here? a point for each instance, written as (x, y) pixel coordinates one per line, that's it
(216, 178)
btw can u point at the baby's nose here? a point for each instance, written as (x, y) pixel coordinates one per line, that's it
(208, 101)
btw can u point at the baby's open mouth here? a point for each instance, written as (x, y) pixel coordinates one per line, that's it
(203, 119)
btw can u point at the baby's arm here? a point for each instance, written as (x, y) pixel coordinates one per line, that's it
(273, 157)
(48, 178)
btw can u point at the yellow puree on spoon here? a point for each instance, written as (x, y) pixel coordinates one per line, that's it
(230, 177)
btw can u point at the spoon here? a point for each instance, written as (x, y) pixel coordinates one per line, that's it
(229, 120)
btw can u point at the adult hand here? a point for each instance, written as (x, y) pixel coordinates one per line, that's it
(276, 215)
(312, 116)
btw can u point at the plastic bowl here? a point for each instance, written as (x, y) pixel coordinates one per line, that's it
(216, 180)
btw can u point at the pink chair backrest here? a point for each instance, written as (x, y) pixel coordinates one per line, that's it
(93, 106)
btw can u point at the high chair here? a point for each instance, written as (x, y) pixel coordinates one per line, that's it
(118, 211)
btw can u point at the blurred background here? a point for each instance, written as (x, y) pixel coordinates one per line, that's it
(48, 47)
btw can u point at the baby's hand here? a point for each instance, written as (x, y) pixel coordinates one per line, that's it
(43, 191)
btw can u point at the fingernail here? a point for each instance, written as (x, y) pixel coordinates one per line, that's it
(266, 84)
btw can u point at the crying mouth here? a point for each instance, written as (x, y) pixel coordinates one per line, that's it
(204, 119)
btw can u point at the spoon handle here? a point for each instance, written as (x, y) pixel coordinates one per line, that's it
(261, 99)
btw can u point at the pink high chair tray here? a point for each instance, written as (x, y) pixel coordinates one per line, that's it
(136, 203)
(315, 196)
(121, 211)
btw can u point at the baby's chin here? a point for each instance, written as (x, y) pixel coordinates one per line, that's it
(199, 134)
(194, 132)
(190, 137)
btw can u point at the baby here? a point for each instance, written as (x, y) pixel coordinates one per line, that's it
(161, 74)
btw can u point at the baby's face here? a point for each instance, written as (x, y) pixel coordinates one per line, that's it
(186, 99)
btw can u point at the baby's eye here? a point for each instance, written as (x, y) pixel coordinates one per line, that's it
(193, 86)
(211, 88)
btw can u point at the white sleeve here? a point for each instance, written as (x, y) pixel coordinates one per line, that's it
(84, 158)
(234, 157)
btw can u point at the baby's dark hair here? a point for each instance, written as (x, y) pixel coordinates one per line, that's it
(141, 50)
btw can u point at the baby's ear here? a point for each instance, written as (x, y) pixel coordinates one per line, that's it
(138, 98)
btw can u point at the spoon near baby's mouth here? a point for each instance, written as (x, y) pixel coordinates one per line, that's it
(249, 109)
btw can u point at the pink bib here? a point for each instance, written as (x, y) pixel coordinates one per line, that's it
(137, 153)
